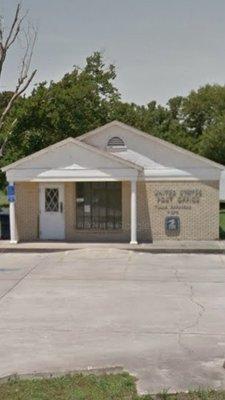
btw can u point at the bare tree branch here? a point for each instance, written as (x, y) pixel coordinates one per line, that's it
(13, 33)
(14, 27)
(19, 90)
(24, 78)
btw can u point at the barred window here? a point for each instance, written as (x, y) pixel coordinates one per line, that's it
(99, 205)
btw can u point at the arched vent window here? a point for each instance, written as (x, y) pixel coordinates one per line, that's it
(116, 143)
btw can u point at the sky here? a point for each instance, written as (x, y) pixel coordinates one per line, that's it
(161, 48)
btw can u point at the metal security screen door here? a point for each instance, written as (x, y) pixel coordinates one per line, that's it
(98, 205)
(52, 219)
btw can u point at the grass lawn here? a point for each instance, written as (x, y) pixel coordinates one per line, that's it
(90, 387)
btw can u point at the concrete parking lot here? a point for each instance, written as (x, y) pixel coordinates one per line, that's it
(161, 317)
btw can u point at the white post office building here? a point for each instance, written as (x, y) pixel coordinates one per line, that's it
(117, 184)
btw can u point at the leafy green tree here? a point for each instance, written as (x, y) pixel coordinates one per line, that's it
(201, 108)
(81, 101)
(128, 113)
(87, 98)
(212, 143)
(174, 105)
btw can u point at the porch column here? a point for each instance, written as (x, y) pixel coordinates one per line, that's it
(12, 219)
(133, 215)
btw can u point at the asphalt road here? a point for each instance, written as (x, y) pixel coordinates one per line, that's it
(161, 317)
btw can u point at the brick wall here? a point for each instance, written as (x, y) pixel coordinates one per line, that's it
(198, 220)
(70, 210)
(27, 210)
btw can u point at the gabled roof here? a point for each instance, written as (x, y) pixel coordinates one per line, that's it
(152, 138)
(78, 143)
(131, 163)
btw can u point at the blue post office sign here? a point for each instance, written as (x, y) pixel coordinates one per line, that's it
(11, 193)
(172, 225)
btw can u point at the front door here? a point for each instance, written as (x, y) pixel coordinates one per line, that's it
(52, 216)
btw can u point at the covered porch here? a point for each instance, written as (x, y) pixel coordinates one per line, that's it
(74, 192)
(75, 211)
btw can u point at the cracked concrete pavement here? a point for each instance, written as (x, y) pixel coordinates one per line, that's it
(161, 317)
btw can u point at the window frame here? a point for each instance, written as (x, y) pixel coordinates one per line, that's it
(51, 200)
(99, 206)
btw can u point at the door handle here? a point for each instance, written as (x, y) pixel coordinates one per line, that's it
(61, 206)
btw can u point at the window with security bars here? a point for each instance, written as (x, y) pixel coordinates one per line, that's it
(52, 199)
(99, 205)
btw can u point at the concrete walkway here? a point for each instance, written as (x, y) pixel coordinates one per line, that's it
(170, 246)
(159, 316)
